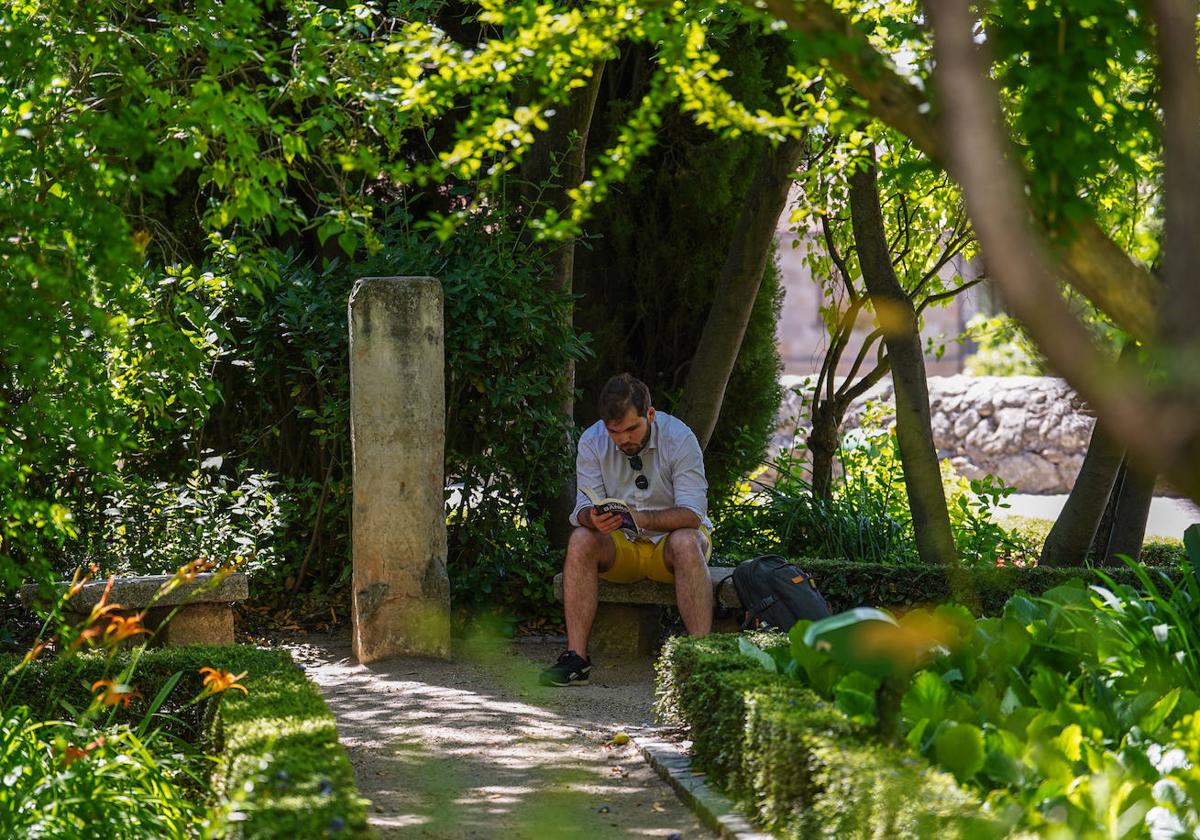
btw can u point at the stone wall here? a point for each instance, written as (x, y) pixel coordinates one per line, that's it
(1027, 430)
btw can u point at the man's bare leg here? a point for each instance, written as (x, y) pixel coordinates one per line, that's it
(684, 557)
(588, 553)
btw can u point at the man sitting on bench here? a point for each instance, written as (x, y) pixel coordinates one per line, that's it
(653, 462)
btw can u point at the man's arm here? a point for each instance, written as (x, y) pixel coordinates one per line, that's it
(667, 519)
(587, 474)
(691, 488)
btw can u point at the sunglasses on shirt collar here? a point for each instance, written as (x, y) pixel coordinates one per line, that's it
(641, 482)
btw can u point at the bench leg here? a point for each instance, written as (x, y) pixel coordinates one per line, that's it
(200, 624)
(624, 631)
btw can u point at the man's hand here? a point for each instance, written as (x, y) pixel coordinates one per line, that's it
(605, 523)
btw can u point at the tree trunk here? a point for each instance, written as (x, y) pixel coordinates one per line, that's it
(823, 446)
(553, 166)
(737, 289)
(1133, 498)
(1104, 531)
(1068, 541)
(898, 319)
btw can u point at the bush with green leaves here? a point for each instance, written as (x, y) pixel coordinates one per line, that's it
(794, 760)
(867, 517)
(147, 528)
(1073, 713)
(286, 405)
(152, 157)
(67, 779)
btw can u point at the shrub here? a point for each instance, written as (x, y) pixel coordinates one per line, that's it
(1059, 710)
(793, 760)
(62, 780)
(278, 770)
(145, 527)
(866, 516)
(1159, 552)
(846, 584)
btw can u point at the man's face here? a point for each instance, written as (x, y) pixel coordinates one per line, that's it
(631, 432)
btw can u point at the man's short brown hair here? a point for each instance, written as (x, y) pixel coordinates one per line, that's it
(621, 393)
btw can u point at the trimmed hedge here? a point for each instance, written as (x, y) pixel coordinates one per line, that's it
(797, 763)
(847, 583)
(279, 771)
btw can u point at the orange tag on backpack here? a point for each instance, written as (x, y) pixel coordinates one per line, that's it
(798, 579)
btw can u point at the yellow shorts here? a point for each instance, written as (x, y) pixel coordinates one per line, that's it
(639, 559)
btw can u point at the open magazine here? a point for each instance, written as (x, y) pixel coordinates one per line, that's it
(610, 505)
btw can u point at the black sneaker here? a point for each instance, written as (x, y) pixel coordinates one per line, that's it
(570, 669)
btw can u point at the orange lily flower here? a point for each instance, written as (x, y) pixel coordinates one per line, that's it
(112, 693)
(216, 681)
(102, 607)
(92, 628)
(79, 579)
(73, 753)
(184, 574)
(121, 628)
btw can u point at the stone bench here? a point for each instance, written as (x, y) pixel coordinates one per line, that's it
(204, 615)
(627, 613)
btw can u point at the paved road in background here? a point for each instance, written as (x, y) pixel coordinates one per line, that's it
(1168, 517)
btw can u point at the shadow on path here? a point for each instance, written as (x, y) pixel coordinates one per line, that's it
(475, 748)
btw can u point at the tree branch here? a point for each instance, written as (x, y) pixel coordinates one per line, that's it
(871, 338)
(836, 256)
(1090, 261)
(1018, 264)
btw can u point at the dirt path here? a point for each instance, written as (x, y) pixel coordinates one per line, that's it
(475, 748)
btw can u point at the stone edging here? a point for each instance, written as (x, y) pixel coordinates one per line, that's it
(672, 763)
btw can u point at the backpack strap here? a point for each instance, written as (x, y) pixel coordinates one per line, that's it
(725, 581)
(719, 607)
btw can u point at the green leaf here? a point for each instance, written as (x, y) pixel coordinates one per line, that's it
(157, 702)
(958, 747)
(925, 698)
(1002, 763)
(1191, 542)
(842, 637)
(756, 653)
(1158, 715)
(1049, 687)
(1069, 742)
(854, 694)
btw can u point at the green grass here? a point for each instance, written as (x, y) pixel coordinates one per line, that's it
(277, 768)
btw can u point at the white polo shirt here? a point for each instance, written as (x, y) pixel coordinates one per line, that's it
(671, 461)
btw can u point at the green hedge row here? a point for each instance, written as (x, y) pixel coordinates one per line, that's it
(279, 770)
(794, 761)
(848, 583)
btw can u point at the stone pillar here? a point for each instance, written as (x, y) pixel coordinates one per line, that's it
(401, 594)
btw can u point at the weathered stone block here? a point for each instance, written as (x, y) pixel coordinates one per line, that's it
(401, 592)
(623, 631)
(626, 622)
(199, 624)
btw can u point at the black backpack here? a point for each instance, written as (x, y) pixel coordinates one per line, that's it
(775, 594)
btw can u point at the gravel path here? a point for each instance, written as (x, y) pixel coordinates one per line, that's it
(475, 748)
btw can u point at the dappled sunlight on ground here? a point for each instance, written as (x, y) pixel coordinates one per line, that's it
(476, 748)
